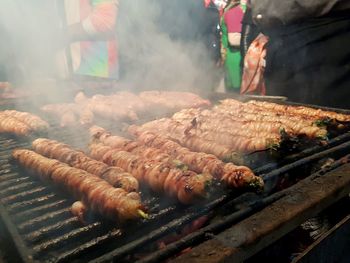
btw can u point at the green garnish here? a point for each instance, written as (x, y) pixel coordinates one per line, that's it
(180, 165)
(256, 185)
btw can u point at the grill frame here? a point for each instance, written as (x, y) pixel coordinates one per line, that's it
(318, 152)
(227, 246)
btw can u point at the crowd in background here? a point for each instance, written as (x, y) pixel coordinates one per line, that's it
(292, 48)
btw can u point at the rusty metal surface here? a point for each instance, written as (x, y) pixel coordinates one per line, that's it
(305, 199)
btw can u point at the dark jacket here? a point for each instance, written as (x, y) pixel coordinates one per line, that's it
(308, 49)
(285, 12)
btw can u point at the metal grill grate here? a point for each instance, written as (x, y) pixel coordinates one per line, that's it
(39, 221)
(40, 215)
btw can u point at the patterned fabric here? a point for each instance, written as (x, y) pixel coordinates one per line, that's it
(254, 67)
(94, 58)
(231, 22)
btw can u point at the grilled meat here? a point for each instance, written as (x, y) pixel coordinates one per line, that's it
(21, 123)
(79, 210)
(306, 112)
(243, 128)
(10, 124)
(238, 119)
(221, 145)
(173, 99)
(114, 175)
(118, 106)
(186, 186)
(103, 136)
(69, 113)
(33, 121)
(230, 174)
(163, 150)
(94, 192)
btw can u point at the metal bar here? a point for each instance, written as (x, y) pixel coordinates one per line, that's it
(16, 242)
(41, 248)
(316, 149)
(221, 96)
(344, 111)
(160, 232)
(6, 154)
(17, 187)
(3, 161)
(304, 200)
(7, 176)
(271, 178)
(35, 201)
(12, 142)
(13, 181)
(46, 231)
(330, 247)
(196, 237)
(209, 231)
(29, 224)
(24, 215)
(24, 195)
(83, 248)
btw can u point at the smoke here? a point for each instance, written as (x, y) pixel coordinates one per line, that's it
(167, 44)
(163, 44)
(29, 38)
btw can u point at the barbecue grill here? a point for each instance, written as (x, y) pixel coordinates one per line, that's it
(38, 226)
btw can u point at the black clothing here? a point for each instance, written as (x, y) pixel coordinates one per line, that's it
(309, 62)
(287, 12)
(249, 32)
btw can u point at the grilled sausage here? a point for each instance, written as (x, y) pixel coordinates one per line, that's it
(115, 176)
(300, 110)
(33, 121)
(10, 124)
(94, 192)
(232, 175)
(186, 186)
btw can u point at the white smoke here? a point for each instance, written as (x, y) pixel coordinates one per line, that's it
(152, 55)
(155, 56)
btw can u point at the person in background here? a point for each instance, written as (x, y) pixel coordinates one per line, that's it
(249, 31)
(230, 40)
(193, 22)
(89, 29)
(308, 54)
(253, 53)
(253, 82)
